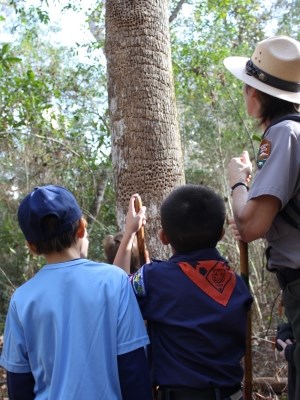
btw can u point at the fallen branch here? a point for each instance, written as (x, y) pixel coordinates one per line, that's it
(265, 384)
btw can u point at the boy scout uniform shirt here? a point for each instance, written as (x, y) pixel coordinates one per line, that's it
(196, 341)
(278, 174)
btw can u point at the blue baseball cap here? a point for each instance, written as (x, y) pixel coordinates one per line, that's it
(44, 201)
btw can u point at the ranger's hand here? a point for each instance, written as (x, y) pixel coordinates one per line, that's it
(240, 169)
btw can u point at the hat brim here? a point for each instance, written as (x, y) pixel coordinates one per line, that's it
(237, 66)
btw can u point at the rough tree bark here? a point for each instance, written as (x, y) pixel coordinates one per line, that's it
(146, 148)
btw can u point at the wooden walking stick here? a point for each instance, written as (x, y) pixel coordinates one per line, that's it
(140, 235)
(244, 266)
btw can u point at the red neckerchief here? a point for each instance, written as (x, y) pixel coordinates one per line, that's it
(214, 277)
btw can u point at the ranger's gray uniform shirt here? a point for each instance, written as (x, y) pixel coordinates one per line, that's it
(278, 175)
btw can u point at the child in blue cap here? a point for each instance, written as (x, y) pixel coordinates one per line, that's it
(73, 331)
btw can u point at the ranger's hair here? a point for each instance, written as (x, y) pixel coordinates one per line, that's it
(271, 107)
(192, 217)
(59, 242)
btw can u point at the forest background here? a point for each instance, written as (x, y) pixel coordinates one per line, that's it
(55, 125)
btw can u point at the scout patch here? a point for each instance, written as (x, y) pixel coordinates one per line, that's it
(215, 278)
(138, 283)
(263, 153)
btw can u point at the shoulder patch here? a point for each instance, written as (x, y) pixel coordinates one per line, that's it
(263, 153)
(138, 283)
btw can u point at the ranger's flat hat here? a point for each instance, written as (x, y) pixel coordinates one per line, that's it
(274, 68)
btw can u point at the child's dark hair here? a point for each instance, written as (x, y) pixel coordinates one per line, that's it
(59, 242)
(192, 218)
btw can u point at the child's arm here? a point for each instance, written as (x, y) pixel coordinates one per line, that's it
(20, 385)
(134, 375)
(133, 223)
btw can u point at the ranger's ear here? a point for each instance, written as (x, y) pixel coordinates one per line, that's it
(223, 233)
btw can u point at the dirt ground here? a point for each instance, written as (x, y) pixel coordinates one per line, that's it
(269, 369)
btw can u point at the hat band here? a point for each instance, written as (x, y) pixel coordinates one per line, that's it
(270, 80)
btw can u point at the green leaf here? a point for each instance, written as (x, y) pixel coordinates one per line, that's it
(5, 49)
(13, 60)
(256, 137)
(30, 75)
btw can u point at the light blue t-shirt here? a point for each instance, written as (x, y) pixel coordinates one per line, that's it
(67, 325)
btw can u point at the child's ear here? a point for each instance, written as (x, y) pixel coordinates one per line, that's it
(81, 228)
(32, 248)
(163, 237)
(223, 233)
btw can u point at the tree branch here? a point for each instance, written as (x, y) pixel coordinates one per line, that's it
(95, 208)
(176, 10)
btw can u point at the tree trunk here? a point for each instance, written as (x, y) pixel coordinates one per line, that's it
(146, 148)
